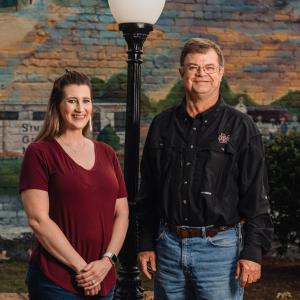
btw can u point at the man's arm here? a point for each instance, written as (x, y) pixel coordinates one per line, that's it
(254, 207)
(147, 210)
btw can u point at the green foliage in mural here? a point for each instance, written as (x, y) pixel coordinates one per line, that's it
(115, 90)
(291, 101)
(283, 164)
(108, 136)
(98, 87)
(177, 93)
(174, 97)
(233, 99)
(9, 172)
(226, 90)
(147, 107)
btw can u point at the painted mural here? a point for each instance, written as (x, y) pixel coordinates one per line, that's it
(260, 39)
(41, 38)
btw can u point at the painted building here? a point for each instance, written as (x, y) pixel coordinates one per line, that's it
(20, 123)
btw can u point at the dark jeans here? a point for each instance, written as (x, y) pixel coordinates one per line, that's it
(41, 288)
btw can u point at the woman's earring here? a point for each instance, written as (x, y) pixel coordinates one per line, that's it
(57, 126)
(91, 124)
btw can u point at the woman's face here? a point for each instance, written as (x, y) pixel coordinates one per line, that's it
(76, 107)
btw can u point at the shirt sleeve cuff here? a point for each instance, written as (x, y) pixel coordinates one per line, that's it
(146, 244)
(251, 253)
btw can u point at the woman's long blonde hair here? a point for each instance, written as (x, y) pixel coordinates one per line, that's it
(53, 124)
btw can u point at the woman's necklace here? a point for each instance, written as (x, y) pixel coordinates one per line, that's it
(73, 149)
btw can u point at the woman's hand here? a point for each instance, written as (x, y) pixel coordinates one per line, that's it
(92, 290)
(93, 274)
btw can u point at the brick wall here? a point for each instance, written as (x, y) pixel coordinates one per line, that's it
(260, 40)
(11, 211)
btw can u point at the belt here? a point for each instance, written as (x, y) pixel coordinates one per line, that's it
(189, 232)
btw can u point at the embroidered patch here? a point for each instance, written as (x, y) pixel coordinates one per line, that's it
(223, 138)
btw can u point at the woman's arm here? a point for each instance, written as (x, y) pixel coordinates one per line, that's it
(97, 270)
(36, 205)
(120, 226)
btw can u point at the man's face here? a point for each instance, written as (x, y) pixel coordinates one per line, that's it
(202, 74)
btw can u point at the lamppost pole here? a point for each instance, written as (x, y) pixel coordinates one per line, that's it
(129, 284)
(135, 19)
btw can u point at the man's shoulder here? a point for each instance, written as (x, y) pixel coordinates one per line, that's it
(232, 111)
(241, 120)
(165, 115)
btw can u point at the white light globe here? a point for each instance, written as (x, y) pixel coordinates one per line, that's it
(136, 11)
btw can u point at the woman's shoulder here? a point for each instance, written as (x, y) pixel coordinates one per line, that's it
(40, 146)
(105, 148)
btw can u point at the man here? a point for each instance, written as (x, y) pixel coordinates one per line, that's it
(203, 176)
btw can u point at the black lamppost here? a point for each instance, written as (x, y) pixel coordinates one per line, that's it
(136, 19)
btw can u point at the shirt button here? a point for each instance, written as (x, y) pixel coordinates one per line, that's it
(192, 146)
(222, 149)
(186, 219)
(184, 201)
(188, 163)
(185, 182)
(205, 121)
(194, 128)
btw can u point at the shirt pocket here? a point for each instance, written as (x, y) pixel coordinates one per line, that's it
(168, 157)
(213, 162)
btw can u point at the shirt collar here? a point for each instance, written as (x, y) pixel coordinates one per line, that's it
(183, 115)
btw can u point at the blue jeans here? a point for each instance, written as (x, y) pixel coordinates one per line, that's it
(198, 268)
(41, 288)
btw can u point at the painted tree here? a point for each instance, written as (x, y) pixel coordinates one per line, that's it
(108, 136)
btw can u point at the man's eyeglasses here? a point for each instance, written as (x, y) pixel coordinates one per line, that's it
(207, 69)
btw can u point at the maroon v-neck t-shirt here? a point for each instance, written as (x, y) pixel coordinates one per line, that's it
(81, 203)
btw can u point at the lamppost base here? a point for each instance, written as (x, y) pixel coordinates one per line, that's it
(128, 285)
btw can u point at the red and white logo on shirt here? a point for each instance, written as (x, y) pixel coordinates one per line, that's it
(223, 138)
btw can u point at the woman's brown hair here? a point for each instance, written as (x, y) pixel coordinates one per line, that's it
(53, 123)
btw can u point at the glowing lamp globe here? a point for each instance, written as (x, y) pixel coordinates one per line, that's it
(136, 11)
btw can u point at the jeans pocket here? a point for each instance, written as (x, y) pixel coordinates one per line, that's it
(226, 239)
(161, 233)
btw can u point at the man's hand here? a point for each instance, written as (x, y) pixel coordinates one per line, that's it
(147, 262)
(247, 271)
(92, 275)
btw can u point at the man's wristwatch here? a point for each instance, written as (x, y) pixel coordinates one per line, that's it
(112, 257)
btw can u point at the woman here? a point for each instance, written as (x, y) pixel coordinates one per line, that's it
(74, 195)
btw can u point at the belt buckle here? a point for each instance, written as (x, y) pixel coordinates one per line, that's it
(211, 232)
(182, 231)
(184, 228)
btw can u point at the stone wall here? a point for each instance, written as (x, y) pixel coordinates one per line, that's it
(260, 40)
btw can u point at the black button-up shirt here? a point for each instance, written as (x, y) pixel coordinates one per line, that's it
(207, 170)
